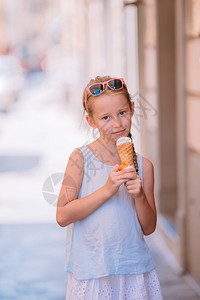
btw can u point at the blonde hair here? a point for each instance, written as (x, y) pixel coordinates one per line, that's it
(88, 106)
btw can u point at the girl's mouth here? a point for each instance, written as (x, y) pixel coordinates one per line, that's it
(119, 132)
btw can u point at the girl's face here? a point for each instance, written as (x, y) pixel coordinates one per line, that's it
(112, 116)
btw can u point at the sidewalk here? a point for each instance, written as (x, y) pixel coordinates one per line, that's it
(174, 287)
(32, 262)
(32, 265)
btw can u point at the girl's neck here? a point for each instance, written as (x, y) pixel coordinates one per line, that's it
(106, 151)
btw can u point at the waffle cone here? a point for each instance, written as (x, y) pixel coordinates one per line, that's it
(125, 151)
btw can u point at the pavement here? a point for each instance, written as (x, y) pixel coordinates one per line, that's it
(32, 262)
(173, 285)
(36, 138)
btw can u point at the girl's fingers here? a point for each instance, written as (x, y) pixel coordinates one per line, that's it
(122, 181)
(131, 176)
(126, 175)
(115, 168)
(133, 185)
(129, 170)
(133, 182)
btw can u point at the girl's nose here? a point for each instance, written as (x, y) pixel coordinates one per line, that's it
(116, 122)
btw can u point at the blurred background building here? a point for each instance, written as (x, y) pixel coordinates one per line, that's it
(169, 66)
(155, 46)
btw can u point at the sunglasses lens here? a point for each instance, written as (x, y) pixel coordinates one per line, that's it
(115, 84)
(96, 89)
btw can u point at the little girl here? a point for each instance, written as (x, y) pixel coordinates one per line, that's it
(106, 210)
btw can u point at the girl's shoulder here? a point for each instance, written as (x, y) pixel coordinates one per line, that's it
(147, 168)
(146, 163)
(77, 153)
(76, 158)
(81, 155)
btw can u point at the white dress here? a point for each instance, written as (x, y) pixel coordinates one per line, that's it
(115, 287)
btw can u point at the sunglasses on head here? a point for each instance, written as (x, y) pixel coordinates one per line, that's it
(96, 89)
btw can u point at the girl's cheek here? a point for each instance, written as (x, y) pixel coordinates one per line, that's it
(107, 129)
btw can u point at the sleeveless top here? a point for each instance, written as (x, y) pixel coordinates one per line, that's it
(110, 240)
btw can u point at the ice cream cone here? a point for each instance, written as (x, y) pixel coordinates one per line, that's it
(125, 150)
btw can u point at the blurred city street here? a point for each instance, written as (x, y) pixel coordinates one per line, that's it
(32, 262)
(36, 138)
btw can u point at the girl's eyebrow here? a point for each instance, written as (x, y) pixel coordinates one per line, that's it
(103, 115)
(123, 107)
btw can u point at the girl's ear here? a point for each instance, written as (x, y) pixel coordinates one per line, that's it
(132, 108)
(90, 121)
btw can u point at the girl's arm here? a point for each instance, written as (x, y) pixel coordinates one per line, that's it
(144, 197)
(70, 208)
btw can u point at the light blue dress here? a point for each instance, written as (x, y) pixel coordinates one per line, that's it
(109, 241)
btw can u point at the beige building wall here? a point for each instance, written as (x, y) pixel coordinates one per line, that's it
(105, 43)
(192, 88)
(131, 76)
(148, 87)
(169, 68)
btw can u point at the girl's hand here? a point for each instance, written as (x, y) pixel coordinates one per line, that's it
(134, 183)
(115, 179)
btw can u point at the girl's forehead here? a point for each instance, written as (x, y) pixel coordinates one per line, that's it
(110, 102)
(111, 98)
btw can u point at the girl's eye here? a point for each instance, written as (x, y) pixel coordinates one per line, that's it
(105, 118)
(122, 113)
